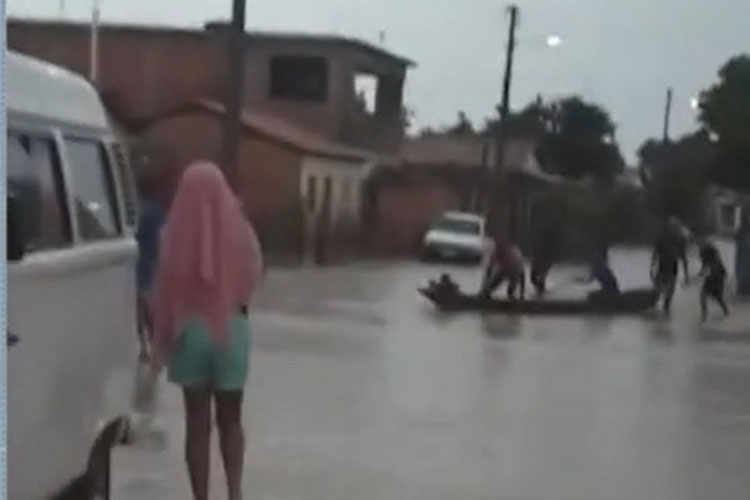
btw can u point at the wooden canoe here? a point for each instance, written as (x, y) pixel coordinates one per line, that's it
(629, 302)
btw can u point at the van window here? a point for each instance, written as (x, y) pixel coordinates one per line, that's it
(92, 189)
(126, 181)
(34, 175)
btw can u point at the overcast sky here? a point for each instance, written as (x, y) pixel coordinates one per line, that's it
(622, 54)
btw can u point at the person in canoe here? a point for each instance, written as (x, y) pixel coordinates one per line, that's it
(602, 273)
(546, 253)
(665, 264)
(714, 277)
(505, 264)
(444, 286)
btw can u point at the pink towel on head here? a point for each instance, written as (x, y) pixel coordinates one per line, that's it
(210, 261)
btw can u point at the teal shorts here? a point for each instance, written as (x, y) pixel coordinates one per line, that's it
(197, 361)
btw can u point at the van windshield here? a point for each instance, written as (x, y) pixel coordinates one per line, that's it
(461, 226)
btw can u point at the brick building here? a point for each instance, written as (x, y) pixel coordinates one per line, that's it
(320, 114)
(342, 89)
(441, 172)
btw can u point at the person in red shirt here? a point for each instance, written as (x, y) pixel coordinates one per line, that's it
(504, 264)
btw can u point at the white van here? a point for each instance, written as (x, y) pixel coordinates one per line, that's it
(71, 286)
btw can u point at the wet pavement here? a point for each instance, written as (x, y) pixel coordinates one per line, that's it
(360, 390)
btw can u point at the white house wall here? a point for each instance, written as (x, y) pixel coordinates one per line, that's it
(346, 202)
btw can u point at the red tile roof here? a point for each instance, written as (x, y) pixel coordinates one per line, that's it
(448, 151)
(471, 151)
(283, 132)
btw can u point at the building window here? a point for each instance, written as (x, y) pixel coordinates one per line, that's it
(92, 189)
(35, 177)
(366, 92)
(299, 78)
(128, 184)
(312, 187)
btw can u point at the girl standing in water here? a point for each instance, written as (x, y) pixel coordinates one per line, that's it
(209, 266)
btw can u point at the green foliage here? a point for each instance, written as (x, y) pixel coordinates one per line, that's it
(462, 126)
(725, 112)
(579, 141)
(677, 175)
(575, 138)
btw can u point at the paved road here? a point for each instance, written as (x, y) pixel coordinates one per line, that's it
(359, 390)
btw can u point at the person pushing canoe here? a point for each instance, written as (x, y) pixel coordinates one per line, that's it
(505, 263)
(602, 273)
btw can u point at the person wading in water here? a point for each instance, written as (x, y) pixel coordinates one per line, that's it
(665, 264)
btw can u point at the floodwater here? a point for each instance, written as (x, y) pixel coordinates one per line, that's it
(359, 389)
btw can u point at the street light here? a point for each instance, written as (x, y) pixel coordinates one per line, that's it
(554, 41)
(695, 103)
(551, 41)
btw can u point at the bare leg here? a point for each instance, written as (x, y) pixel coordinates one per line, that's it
(685, 265)
(231, 439)
(495, 280)
(722, 303)
(198, 439)
(704, 306)
(522, 285)
(143, 326)
(668, 294)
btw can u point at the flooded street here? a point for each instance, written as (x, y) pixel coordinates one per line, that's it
(359, 389)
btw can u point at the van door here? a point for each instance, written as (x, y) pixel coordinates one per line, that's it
(70, 306)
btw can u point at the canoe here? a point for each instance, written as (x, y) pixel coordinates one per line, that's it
(628, 302)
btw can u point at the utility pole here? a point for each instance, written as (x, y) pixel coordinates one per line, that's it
(667, 113)
(511, 47)
(233, 102)
(498, 176)
(94, 45)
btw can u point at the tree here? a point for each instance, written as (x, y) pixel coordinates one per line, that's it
(579, 140)
(462, 127)
(574, 138)
(407, 118)
(676, 175)
(725, 112)
(529, 122)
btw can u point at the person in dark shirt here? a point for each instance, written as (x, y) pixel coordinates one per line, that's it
(546, 253)
(683, 238)
(602, 273)
(665, 265)
(715, 275)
